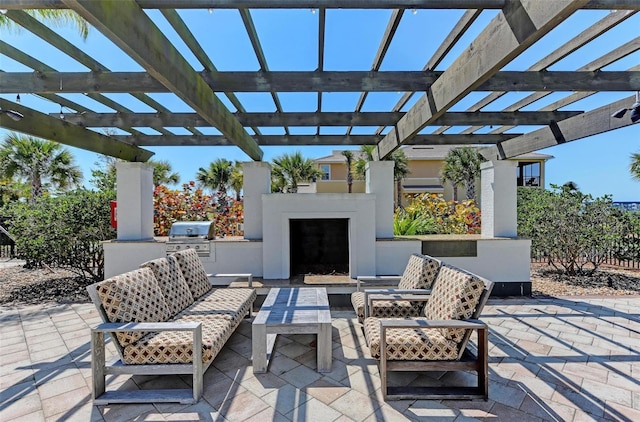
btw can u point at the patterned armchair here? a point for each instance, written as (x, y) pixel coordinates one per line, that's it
(438, 340)
(415, 284)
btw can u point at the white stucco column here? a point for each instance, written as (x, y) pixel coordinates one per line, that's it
(499, 198)
(135, 201)
(379, 181)
(256, 182)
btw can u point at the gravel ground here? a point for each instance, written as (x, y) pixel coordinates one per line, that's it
(607, 281)
(19, 286)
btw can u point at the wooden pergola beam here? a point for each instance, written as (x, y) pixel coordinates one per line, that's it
(518, 26)
(259, 52)
(132, 30)
(591, 123)
(190, 40)
(589, 34)
(112, 82)
(316, 119)
(43, 126)
(299, 140)
(308, 4)
(465, 21)
(387, 37)
(322, 28)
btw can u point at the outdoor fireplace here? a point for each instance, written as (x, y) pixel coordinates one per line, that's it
(319, 246)
(286, 217)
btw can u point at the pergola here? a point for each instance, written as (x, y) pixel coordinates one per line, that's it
(422, 114)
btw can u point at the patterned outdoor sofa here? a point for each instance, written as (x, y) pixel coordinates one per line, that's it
(438, 340)
(164, 318)
(417, 279)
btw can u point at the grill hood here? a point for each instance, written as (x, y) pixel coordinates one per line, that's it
(184, 230)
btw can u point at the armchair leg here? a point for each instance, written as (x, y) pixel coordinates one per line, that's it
(198, 386)
(483, 362)
(97, 363)
(383, 362)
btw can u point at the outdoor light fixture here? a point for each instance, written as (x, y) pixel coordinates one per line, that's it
(61, 113)
(635, 110)
(13, 115)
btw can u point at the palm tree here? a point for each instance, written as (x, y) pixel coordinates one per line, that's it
(400, 171)
(55, 17)
(400, 167)
(291, 169)
(162, 174)
(462, 165)
(349, 156)
(38, 161)
(451, 173)
(634, 167)
(216, 177)
(366, 155)
(237, 179)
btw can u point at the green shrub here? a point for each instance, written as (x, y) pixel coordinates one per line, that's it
(432, 214)
(408, 224)
(64, 231)
(572, 230)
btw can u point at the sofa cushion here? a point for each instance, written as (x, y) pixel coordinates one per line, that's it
(133, 297)
(172, 283)
(231, 304)
(220, 311)
(410, 343)
(420, 272)
(177, 346)
(386, 308)
(193, 272)
(455, 295)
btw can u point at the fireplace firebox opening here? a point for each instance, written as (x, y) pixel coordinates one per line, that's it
(319, 246)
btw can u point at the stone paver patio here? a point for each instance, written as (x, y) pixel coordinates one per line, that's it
(551, 359)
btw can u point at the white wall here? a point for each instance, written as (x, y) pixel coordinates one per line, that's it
(379, 181)
(499, 199)
(392, 255)
(135, 201)
(256, 182)
(120, 257)
(229, 256)
(499, 260)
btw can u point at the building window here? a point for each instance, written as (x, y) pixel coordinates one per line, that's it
(529, 173)
(326, 172)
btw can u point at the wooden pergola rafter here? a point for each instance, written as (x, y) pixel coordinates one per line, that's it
(481, 67)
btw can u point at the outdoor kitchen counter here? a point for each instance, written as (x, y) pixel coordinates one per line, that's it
(217, 239)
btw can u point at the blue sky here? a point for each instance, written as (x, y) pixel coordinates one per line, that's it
(598, 164)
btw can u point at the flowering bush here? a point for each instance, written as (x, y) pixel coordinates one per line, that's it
(191, 204)
(228, 218)
(443, 217)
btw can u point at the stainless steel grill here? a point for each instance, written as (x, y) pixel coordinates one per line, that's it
(191, 235)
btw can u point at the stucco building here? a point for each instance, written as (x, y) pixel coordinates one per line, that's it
(425, 165)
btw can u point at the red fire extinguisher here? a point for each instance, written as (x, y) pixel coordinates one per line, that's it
(114, 214)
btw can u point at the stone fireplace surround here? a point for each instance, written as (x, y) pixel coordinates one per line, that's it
(278, 209)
